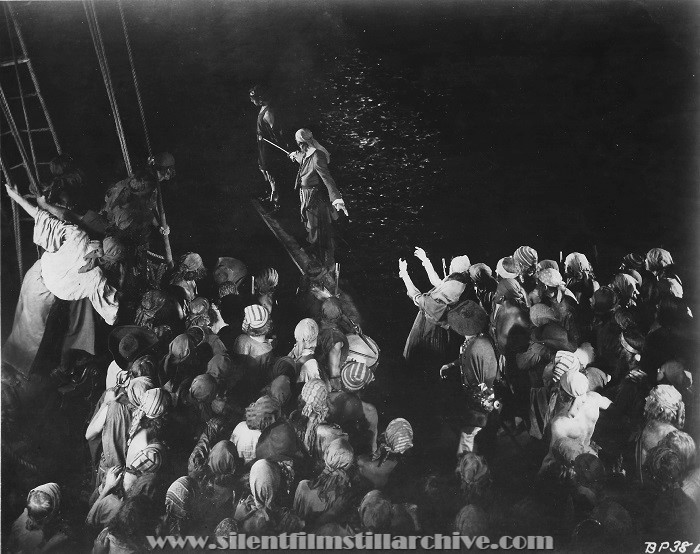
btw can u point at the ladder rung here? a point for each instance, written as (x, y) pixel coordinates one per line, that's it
(43, 163)
(28, 95)
(7, 63)
(21, 164)
(39, 130)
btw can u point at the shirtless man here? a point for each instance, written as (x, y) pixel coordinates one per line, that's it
(266, 130)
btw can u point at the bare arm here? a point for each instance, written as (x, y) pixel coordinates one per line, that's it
(411, 289)
(433, 276)
(13, 193)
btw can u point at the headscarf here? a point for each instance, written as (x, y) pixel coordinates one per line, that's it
(339, 458)
(525, 257)
(565, 362)
(199, 309)
(221, 368)
(223, 458)
(53, 491)
(203, 388)
(480, 273)
(255, 317)
(137, 389)
(356, 376)
(474, 475)
(625, 285)
(471, 521)
(657, 259)
(375, 511)
(576, 264)
(316, 408)
(506, 268)
(304, 135)
(179, 498)
(460, 264)
(511, 290)
(228, 274)
(281, 389)
(547, 264)
(575, 384)
(664, 403)
(541, 314)
(265, 481)
(306, 331)
(106, 253)
(152, 406)
(550, 278)
(226, 527)
(283, 367)
(190, 267)
(266, 280)
(178, 351)
(398, 436)
(262, 413)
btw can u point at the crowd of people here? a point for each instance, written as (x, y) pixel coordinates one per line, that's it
(208, 421)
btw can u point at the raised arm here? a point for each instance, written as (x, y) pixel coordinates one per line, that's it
(433, 276)
(411, 289)
(13, 193)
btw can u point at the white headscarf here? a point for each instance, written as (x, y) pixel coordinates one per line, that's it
(304, 135)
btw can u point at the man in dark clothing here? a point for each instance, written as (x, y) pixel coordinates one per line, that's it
(266, 129)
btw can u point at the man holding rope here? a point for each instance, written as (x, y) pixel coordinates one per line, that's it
(319, 208)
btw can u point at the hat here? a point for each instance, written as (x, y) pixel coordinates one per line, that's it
(574, 383)
(129, 342)
(256, 316)
(163, 160)
(468, 318)
(550, 277)
(363, 349)
(506, 268)
(356, 376)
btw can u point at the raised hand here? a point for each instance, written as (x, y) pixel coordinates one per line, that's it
(420, 254)
(403, 265)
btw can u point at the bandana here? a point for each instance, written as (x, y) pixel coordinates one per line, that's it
(625, 285)
(106, 253)
(179, 498)
(460, 264)
(53, 491)
(525, 257)
(203, 388)
(398, 436)
(304, 135)
(152, 406)
(506, 268)
(355, 376)
(223, 458)
(658, 258)
(664, 403)
(265, 481)
(262, 413)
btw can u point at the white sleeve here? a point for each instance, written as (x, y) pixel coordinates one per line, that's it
(49, 232)
(103, 299)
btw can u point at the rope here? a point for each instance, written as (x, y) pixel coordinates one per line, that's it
(15, 226)
(136, 81)
(96, 35)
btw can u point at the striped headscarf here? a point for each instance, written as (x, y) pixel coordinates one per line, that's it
(398, 436)
(179, 498)
(316, 408)
(525, 257)
(564, 362)
(152, 406)
(137, 389)
(339, 458)
(254, 317)
(356, 376)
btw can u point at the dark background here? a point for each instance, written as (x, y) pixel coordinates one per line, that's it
(464, 127)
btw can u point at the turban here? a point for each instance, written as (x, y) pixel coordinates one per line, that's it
(221, 368)
(281, 389)
(265, 480)
(306, 331)
(468, 318)
(664, 403)
(604, 300)
(53, 491)
(203, 388)
(658, 258)
(375, 511)
(460, 264)
(525, 257)
(565, 362)
(180, 496)
(356, 376)
(137, 389)
(255, 317)
(574, 383)
(550, 278)
(577, 264)
(509, 289)
(223, 458)
(471, 521)
(479, 273)
(506, 268)
(266, 280)
(398, 436)
(262, 413)
(541, 314)
(305, 136)
(315, 396)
